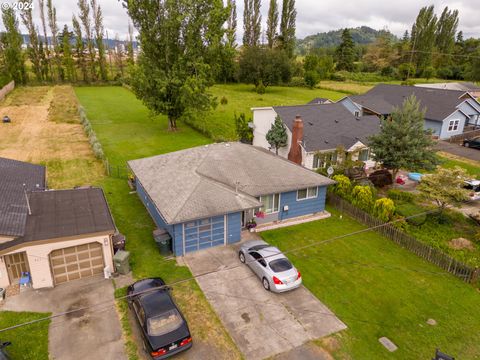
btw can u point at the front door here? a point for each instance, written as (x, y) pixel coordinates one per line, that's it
(16, 264)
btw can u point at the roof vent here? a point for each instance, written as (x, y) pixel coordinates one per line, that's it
(310, 123)
(336, 120)
(326, 141)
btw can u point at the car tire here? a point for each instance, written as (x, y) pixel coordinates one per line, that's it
(241, 256)
(266, 284)
(466, 144)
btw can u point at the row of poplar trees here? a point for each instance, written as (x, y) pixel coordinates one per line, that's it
(71, 54)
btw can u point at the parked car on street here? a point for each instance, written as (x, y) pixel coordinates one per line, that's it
(473, 186)
(164, 329)
(270, 265)
(472, 143)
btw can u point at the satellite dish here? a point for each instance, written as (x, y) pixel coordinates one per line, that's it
(330, 171)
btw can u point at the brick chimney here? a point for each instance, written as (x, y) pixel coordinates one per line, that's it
(295, 153)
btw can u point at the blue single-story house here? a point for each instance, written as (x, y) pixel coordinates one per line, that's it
(205, 196)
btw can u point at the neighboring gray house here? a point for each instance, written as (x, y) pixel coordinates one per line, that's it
(205, 195)
(326, 126)
(448, 112)
(459, 86)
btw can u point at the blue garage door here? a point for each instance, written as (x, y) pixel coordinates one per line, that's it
(205, 233)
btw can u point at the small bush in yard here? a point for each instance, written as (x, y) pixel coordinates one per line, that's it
(343, 186)
(92, 138)
(362, 197)
(98, 151)
(224, 100)
(384, 209)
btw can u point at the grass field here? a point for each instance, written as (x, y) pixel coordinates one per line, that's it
(126, 131)
(28, 342)
(379, 289)
(220, 125)
(450, 161)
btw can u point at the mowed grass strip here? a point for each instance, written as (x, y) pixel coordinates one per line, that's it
(379, 289)
(127, 130)
(28, 342)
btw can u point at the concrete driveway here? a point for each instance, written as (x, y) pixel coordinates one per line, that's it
(91, 334)
(261, 323)
(458, 150)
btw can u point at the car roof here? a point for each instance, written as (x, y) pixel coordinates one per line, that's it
(271, 253)
(145, 284)
(156, 302)
(473, 182)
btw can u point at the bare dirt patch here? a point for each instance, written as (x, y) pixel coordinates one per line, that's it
(32, 137)
(461, 244)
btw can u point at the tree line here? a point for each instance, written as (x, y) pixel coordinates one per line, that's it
(72, 54)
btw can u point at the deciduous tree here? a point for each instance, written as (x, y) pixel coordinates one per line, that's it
(34, 45)
(423, 38)
(288, 27)
(80, 48)
(98, 30)
(12, 41)
(272, 23)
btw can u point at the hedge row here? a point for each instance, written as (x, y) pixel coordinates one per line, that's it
(92, 137)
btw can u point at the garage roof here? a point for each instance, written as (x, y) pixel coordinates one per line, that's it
(217, 179)
(16, 177)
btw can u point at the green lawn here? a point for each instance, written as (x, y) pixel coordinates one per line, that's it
(469, 167)
(219, 124)
(28, 342)
(379, 289)
(126, 128)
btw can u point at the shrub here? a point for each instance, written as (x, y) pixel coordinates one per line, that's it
(343, 186)
(381, 178)
(311, 79)
(400, 195)
(224, 100)
(384, 209)
(88, 129)
(297, 81)
(362, 197)
(92, 138)
(98, 151)
(260, 89)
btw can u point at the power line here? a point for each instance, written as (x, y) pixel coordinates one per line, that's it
(321, 242)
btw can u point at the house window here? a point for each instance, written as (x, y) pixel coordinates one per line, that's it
(308, 193)
(364, 155)
(453, 125)
(324, 160)
(270, 203)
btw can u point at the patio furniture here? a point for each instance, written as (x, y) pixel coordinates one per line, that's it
(25, 279)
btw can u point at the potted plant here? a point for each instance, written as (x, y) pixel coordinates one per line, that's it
(251, 225)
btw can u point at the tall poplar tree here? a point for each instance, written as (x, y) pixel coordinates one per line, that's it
(67, 57)
(173, 72)
(98, 28)
(46, 63)
(34, 45)
(130, 55)
(287, 27)
(12, 42)
(80, 48)
(445, 36)
(423, 38)
(247, 23)
(256, 22)
(232, 24)
(272, 23)
(87, 28)
(52, 23)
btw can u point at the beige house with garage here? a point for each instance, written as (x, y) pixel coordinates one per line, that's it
(54, 235)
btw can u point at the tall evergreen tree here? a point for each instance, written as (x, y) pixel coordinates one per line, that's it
(80, 48)
(346, 52)
(98, 28)
(172, 72)
(402, 142)
(33, 47)
(12, 42)
(67, 57)
(287, 27)
(277, 135)
(423, 38)
(231, 24)
(87, 28)
(272, 23)
(445, 36)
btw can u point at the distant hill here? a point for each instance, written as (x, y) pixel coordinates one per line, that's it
(361, 35)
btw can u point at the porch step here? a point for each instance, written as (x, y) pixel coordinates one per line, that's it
(290, 222)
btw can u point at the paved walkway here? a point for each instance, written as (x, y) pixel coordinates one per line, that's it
(261, 323)
(94, 333)
(458, 150)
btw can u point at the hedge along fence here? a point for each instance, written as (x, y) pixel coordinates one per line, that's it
(432, 255)
(92, 137)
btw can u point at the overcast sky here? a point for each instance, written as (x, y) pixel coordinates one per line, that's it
(313, 16)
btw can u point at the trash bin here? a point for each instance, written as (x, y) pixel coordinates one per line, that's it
(120, 259)
(163, 240)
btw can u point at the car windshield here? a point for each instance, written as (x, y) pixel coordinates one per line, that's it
(165, 323)
(280, 265)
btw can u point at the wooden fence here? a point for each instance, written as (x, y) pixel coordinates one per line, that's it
(116, 171)
(433, 255)
(464, 136)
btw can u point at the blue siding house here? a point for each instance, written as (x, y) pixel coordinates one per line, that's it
(206, 195)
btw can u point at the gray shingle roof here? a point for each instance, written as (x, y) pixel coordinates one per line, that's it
(462, 86)
(328, 125)
(319, 100)
(217, 179)
(65, 213)
(13, 204)
(439, 103)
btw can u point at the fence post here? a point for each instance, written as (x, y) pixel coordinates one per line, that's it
(475, 275)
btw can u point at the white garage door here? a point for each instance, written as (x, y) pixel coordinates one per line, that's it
(76, 262)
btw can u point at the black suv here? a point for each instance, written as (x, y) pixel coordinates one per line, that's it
(472, 143)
